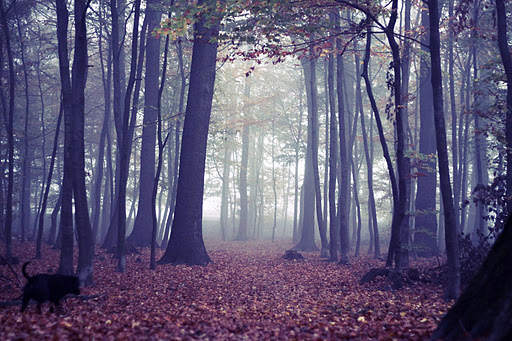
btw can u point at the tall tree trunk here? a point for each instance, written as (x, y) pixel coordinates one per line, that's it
(296, 207)
(344, 187)
(66, 218)
(141, 234)
(452, 245)
(48, 184)
(107, 81)
(177, 123)
(307, 233)
(161, 146)
(382, 138)
(26, 179)
(125, 146)
(186, 245)
(372, 220)
(10, 136)
(425, 220)
(453, 111)
(506, 59)
(313, 122)
(242, 226)
(333, 156)
(83, 224)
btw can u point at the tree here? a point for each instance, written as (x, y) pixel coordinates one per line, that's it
(244, 166)
(483, 310)
(125, 143)
(186, 245)
(425, 238)
(506, 59)
(451, 237)
(10, 136)
(141, 234)
(66, 216)
(307, 228)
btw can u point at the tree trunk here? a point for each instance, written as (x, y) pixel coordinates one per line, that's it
(126, 146)
(83, 224)
(506, 59)
(242, 225)
(425, 220)
(307, 233)
(483, 310)
(47, 189)
(141, 234)
(186, 245)
(333, 156)
(28, 153)
(372, 220)
(382, 138)
(452, 245)
(296, 207)
(66, 220)
(344, 187)
(313, 122)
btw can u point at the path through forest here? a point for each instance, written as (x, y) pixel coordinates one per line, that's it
(249, 292)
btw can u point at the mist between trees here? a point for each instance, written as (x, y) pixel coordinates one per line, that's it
(344, 127)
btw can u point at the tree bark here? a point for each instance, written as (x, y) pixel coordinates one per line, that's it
(186, 245)
(452, 245)
(141, 234)
(506, 58)
(307, 228)
(425, 238)
(66, 218)
(48, 184)
(483, 310)
(344, 187)
(313, 122)
(242, 227)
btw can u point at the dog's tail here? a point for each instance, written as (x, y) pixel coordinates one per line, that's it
(23, 270)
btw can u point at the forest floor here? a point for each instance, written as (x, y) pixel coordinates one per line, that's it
(248, 293)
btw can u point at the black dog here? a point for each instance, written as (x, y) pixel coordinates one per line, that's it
(48, 287)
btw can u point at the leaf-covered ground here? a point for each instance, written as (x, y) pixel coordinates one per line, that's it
(249, 293)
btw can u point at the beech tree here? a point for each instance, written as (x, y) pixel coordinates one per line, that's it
(186, 245)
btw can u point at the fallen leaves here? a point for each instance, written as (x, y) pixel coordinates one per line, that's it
(249, 292)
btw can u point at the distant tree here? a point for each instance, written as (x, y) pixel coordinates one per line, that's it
(244, 166)
(186, 245)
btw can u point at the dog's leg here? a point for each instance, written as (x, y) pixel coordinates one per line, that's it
(24, 303)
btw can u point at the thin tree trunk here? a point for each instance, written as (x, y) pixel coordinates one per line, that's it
(452, 245)
(10, 136)
(48, 184)
(369, 169)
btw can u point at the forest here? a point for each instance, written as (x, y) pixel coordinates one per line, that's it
(268, 169)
